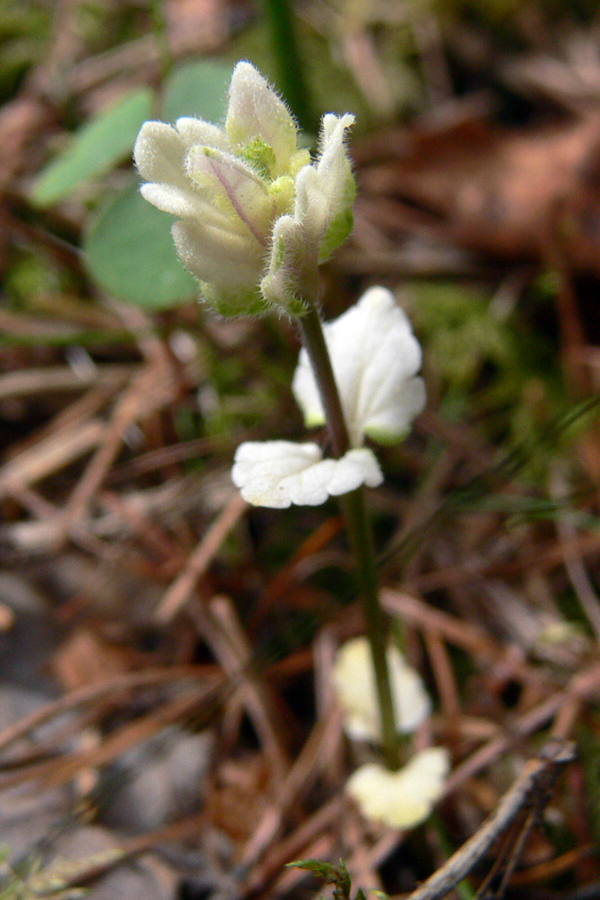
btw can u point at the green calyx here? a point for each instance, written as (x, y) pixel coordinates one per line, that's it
(342, 222)
(232, 304)
(339, 228)
(260, 156)
(385, 438)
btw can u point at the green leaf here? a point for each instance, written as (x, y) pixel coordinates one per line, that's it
(337, 875)
(130, 254)
(322, 869)
(337, 232)
(198, 89)
(94, 149)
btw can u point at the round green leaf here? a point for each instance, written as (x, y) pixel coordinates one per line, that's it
(94, 148)
(198, 89)
(130, 254)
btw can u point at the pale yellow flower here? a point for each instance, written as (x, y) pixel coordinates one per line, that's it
(354, 680)
(405, 798)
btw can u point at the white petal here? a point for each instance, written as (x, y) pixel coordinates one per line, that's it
(185, 204)
(354, 680)
(278, 473)
(405, 798)
(218, 256)
(198, 132)
(391, 421)
(356, 467)
(375, 357)
(159, 154)
(307, 393)
(256, 113)
(233, 185)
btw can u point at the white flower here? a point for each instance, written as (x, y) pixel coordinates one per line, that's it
(375, 358)
(404, 798)
(279, 473)
(230, 187)
(354, 680)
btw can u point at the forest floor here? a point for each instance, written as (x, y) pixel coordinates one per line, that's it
(168, 726)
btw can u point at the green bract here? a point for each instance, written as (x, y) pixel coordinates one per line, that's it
(255, 215)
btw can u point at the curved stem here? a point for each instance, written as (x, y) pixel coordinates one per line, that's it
(358, 528)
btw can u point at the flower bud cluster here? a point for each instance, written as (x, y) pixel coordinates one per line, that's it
(254, 215)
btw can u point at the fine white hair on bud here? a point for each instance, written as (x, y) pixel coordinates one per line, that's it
(233, 188)
(320, 220)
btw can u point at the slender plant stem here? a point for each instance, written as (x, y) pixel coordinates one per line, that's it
(314, 342)
(159, 26)
(282, 27)
(359, 530)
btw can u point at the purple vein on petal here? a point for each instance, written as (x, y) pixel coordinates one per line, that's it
(218, 173)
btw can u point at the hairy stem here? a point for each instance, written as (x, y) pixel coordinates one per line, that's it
(359, 529)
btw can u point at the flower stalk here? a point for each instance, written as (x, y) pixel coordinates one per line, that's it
(280, 19)
(255, 217)
(359, 530)
(313, 340)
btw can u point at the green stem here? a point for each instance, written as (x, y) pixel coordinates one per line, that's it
(314, 342)
(280, 18)
(160, 29)
(364, 553)
(359, 530)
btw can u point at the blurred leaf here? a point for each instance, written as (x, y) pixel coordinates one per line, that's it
(24, 30)
(95, 148)
(316, 866)
(588, 748)
(198, 89)
(336, 875)
(131, 255)
(331, 85)
(19, 18)
(461, 332)
(16, 56)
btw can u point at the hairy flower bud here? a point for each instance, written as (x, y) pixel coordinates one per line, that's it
(255, 216)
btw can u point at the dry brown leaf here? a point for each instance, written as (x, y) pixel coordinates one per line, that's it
(507, 193)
